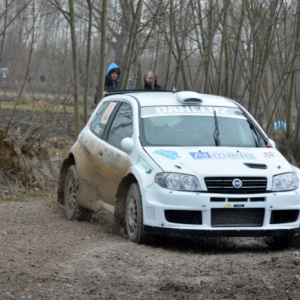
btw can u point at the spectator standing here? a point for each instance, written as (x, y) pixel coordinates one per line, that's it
(148, 82)
(111, 79)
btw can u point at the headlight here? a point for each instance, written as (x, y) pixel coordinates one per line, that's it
(179, 182)
(285, 182)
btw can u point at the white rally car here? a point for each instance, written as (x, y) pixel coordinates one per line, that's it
(181, 163)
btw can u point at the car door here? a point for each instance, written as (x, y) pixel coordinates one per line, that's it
(113, 162)
(93, 147)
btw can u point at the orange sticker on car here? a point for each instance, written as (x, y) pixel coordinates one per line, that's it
(107, 113)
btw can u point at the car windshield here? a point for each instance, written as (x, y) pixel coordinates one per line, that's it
(197, 130)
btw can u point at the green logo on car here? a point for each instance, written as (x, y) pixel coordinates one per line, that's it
(143, 164)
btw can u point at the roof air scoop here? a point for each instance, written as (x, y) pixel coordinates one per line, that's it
(189, 97)
(192, 100)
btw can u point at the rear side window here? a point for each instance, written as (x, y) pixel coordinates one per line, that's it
(100, 120)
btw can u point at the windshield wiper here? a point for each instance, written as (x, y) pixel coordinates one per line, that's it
(216, 132)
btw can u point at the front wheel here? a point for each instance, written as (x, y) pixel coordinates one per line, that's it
(295, 242)
(280, 242)
(285, 242)
(134, 215)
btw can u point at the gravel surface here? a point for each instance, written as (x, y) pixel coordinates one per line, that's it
(45, 256)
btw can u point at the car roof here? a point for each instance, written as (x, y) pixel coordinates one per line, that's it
(159, 98)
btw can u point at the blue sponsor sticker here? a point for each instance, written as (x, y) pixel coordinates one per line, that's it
(222, 155)
(113, 159)
(167, 153)
(238, 205)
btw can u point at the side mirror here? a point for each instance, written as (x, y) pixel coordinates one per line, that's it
(272, 143)
(127, 145)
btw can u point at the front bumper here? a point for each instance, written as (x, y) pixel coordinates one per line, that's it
(221, 233)
(179, 213)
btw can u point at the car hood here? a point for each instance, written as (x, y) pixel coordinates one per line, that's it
(220, 161)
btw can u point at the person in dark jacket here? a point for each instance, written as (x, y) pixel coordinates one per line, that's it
(111, 79)
(148, 82)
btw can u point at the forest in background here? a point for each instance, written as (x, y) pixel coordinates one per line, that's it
(246, 50)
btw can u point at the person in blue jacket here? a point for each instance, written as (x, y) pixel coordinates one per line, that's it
(111, 79)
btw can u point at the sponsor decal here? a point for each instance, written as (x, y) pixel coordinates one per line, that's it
(143, 164)
(167, 153)
(190, 109)
(97, 129)
(113, 159)
(238, 205)
(269, 155)
(239, 113)
(222, 155)
(107, 113)
(228, 205)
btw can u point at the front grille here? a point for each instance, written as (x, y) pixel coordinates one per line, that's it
(184, 217)
(237, 199)
(284, 216)
(217, 199)
(223, 185)
(259, 199)
(237, 217)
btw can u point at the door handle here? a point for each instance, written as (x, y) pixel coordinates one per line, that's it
(100, 152)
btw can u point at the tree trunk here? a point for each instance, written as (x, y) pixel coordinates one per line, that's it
(293, 77)
(87, 65)
(74, 68)
(100, 88)
(131, 44)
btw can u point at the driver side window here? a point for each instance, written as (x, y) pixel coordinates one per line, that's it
(121, 126)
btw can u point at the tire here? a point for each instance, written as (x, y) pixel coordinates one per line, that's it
(134, 215)
(286, 242)
(70, 194)
(280, 242)
(295, 242)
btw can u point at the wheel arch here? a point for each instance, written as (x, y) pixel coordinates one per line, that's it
(62, 177)
(121, 196)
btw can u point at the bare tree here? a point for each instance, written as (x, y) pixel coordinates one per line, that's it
(88, 54)
(70, 17)
(100, 88)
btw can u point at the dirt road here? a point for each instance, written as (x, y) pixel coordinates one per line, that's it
(45, 256)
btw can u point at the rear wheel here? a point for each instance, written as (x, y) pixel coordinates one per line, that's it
(134, 215)
(70, 195)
